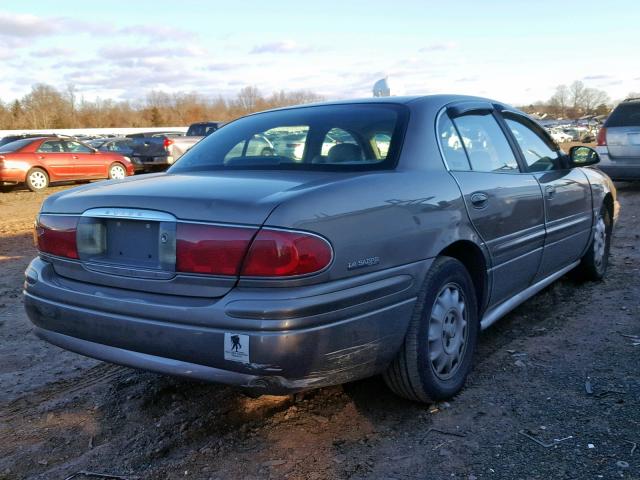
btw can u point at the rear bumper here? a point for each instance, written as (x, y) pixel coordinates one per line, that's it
(11, 176)
(293, 339)
(620, 168)
(151, 163)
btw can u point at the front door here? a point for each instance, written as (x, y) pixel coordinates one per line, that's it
(504, 205)
(567, 195)
(87, 164)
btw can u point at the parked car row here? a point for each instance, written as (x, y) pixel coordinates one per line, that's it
(38, 161)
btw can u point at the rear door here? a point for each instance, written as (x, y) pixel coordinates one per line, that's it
(567, 194)
(56, 159)
(87, 164)
(504, 204)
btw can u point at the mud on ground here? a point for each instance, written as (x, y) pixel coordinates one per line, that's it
(525, 413)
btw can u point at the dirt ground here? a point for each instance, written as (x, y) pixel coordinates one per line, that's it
(525, 413)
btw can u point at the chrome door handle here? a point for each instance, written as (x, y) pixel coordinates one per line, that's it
(75, 157)
(479, 199)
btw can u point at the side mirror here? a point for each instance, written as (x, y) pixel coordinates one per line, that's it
(581, 156)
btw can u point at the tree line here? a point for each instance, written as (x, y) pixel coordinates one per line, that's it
(47, 107)
(574, 101)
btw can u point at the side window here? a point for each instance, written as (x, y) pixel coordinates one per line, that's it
(76, 147)
(539, 153)
(486, 145)
(52, 146)
(452, 145)
(382, 141)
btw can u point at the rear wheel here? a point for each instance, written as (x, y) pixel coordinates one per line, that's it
(37, 180)
(437, 353)
(117, 171)
(595, 262)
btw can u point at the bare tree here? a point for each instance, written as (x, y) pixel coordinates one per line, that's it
(247, 99)
(560, 100)
(591, 98)
(576, 94)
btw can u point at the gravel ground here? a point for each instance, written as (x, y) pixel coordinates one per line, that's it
(525, 413)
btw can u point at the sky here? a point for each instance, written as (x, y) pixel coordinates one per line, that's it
(513, 51)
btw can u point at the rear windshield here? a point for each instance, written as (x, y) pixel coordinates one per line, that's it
(626, 114)
(325, 137)
(201, 130)
(16, 145)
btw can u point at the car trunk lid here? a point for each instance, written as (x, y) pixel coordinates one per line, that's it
(127, 230)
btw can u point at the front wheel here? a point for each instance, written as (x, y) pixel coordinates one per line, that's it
(37, 180)
(595, 262)
(437, 353)
(117, 171)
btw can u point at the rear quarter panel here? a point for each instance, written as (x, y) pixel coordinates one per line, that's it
(380, 220)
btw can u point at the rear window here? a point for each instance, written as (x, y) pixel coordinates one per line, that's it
(325, 137)
(201, 130)
(627, 114)
(15, 146)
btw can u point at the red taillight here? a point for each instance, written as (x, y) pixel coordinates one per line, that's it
(602, 137)
(56, 234)
(167, 142)
(277, 253)
(211, 249)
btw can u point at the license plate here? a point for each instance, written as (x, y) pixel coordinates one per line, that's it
(634, 138)
(132, 242)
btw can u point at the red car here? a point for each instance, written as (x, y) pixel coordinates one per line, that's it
(39, 161)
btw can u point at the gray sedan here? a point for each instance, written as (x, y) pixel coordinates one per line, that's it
(278, 274)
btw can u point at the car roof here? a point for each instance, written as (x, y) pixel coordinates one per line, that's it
(436, 101)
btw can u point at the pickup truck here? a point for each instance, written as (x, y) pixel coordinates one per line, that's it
(159, 150)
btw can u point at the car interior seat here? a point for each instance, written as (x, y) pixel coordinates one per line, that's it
(344, 152)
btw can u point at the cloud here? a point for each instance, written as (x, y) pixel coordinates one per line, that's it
(281, 47)
(27, 26)
(467, 79)
(224, 66)
(597, 77)
(51, 52)
(125, 52)
(439, 47)
(158, 32)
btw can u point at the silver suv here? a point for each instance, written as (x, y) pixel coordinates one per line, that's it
(619, 142)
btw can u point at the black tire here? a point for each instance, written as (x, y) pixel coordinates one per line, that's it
(412, 374)
(6, 188)
(594, 263)
(37, 180)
